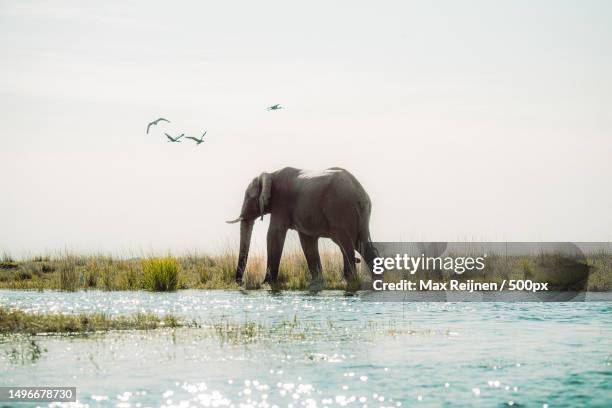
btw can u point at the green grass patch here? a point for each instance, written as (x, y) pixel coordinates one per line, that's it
(20, 322)
(160, 274)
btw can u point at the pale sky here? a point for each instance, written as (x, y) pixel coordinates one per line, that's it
(472, 120)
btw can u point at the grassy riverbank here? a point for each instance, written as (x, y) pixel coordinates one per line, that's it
(72, 272)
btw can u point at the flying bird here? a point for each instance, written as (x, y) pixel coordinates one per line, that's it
(174, 139)
(195, 139)
(275, 107)
(155, 122)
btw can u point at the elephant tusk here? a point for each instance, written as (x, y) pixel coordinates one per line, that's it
(234, 221)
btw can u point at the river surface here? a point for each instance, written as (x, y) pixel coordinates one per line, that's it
(293, 349)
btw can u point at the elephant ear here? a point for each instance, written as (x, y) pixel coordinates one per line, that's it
(265, 181)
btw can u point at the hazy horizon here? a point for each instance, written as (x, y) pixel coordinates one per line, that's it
(475, 121)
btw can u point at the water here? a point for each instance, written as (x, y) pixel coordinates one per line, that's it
(338, 351)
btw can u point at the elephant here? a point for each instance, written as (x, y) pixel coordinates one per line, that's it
(317, 204)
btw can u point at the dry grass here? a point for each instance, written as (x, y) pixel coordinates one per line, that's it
(201, 271)
(70, 272)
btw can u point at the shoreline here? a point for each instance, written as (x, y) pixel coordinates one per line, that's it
(71, 272)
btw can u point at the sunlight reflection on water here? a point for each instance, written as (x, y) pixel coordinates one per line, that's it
(297, 350)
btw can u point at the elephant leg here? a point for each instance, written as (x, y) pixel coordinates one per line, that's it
(275, 242)
(348, 254)
(311, 252)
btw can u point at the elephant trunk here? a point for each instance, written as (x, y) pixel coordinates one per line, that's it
(246, 228)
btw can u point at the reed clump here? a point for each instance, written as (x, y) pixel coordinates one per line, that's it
(209, 272)
(160, 274)
(69, 276)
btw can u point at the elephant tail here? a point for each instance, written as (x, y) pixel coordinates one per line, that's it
(364, 241)
(367, 249)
